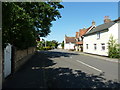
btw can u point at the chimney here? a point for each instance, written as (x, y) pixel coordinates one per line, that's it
(106, 19)
(93, 23)
(77, 34)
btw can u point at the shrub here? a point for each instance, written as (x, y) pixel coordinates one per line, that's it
(47, 48)
(113, 48)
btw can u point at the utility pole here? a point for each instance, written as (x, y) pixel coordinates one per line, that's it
(45, 43)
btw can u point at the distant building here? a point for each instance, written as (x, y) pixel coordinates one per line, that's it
(96, 40)
(59, 46)
(69, 43)
(79, 37)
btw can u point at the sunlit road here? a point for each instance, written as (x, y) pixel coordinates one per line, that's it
(64, 69)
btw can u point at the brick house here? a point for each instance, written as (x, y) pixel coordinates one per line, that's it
(79, 37)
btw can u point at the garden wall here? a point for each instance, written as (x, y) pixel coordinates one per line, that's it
(19, 57)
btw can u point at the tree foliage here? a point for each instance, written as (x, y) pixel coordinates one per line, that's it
(47, 44)
(62, 45)
(23, 21)
(113, 48)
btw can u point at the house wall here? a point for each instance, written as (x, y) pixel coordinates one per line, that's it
(119, 32)
(69, 46)
(104, 38)
(59, 46)
(113, 30)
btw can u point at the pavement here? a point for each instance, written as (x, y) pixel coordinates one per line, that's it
(31, 75)
(64, 69)
(97, 56)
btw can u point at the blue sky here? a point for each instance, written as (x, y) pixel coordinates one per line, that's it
(77, 15)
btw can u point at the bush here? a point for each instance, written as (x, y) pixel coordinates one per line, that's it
(44, 48)
(113, 48)
(47, 48)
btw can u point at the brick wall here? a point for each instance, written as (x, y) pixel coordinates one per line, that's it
(21, 56)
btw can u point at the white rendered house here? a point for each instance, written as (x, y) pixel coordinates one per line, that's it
(96, 40)
(69, 43)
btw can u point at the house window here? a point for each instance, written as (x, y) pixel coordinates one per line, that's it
(78, 39)
(95, 46)
(103, 46)
(98, 35)
(86, 46)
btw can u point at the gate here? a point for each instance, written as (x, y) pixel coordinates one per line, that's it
(7, 60)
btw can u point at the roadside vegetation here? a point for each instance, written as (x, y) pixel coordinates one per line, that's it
(62, 45)
(23, 22)
(47, 45)
(113, 48)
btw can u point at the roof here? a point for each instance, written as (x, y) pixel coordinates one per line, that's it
(70, 39)
(100, 28)
(83, 31)
(79, 42)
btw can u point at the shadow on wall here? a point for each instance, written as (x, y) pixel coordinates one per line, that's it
(37, 73)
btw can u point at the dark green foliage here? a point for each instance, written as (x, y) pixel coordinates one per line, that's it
(113, 48)
(22, 22)
(62, 45)
(47, 45)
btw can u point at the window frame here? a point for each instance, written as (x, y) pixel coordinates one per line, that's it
(95, 46)
(98, 35)
(103, 46)
(86, 46)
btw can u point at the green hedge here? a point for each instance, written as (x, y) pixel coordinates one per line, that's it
(44, 48)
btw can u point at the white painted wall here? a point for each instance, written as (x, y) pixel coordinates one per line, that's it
(104, 38)
(7, 60)
(119, 32)
(69, 46)
(113, 30)
(59, 46)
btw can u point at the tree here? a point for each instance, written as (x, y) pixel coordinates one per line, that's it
(113, 48)
(24, 21)
(62, 45)
(55, 43)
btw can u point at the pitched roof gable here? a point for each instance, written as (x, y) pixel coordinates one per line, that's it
(70, 39)
(83, 31)
(100, 28)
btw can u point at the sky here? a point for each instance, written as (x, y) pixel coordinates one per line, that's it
(77, 15)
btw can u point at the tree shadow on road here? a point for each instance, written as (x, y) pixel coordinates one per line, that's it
(55, 54)
(37, 73)
(67, 78)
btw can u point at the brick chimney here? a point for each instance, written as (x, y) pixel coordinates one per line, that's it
(106, 19)
(93, 23)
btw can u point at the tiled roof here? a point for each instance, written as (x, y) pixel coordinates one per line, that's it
(79, 42)
(83, 31)
(70, 39)
(101, 27)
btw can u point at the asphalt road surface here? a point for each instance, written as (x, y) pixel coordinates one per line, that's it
(65, 69)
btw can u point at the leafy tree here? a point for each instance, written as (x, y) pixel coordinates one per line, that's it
(24, 21)
(55, 43)
(113, 48)
(62, 45)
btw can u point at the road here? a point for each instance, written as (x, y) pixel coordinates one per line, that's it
(65, 69)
